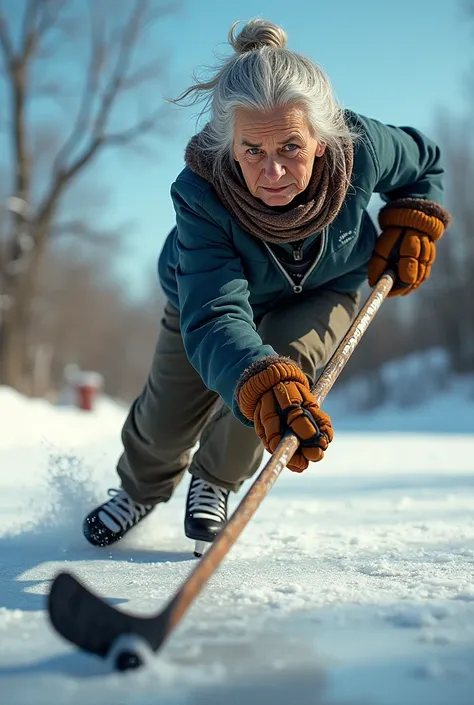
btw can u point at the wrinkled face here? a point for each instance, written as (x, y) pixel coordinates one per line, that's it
(276, 152)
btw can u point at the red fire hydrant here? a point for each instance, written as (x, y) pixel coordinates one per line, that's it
(87, 384)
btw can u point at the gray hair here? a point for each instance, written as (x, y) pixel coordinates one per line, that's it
(263, 74)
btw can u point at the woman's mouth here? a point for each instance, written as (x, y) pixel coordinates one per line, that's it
(275, 190)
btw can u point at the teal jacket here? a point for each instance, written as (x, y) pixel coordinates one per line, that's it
(221, 278)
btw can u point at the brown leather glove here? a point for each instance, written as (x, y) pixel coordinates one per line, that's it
(274, 393)
(410, 228)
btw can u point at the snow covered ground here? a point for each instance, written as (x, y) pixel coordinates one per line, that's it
(353, 583)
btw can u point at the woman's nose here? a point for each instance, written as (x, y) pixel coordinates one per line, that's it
(273, 169)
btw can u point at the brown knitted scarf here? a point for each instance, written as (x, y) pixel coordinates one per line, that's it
(322, 198)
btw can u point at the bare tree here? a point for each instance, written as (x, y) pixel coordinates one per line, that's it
(110, 43)
(448, 296)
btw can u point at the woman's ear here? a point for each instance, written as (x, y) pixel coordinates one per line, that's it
(320, 149)
(234, 153)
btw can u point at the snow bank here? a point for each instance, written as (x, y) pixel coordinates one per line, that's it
(353, 583)
(419, 393)
(29, 421)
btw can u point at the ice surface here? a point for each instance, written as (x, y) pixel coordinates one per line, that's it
(353, 583)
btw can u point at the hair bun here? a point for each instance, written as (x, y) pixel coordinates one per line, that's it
(255, 35)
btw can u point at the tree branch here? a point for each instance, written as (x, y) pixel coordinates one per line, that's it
(50, 18)
(33, 32)
(66, 166)
(6, 43)
(127, 42)
(27, 31)
(111, 90)
(31, 35)
(90, 89)
(82, 230)
(142, 127)
(61, 179)
(151, 70)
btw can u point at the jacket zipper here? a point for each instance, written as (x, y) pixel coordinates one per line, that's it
(298, 288)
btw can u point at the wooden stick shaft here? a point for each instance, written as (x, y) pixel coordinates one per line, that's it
(209, 563)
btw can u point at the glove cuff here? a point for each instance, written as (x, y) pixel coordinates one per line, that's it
(261, 376)
(426, 216)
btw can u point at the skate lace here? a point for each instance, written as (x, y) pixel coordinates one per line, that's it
(207, 501)
(123, 509)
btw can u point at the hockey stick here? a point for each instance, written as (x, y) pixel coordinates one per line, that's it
(93, 625)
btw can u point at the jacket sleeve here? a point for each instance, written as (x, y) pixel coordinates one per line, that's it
(217, 325)
(408, 164)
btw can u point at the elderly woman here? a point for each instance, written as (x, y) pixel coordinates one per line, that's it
(261, 273)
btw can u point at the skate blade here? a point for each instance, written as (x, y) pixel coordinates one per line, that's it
(200, 548)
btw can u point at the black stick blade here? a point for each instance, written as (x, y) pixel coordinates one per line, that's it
(93, 625)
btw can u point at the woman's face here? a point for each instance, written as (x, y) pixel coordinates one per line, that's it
(276, 152)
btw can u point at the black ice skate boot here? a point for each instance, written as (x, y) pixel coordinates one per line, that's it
(206, 512)
(110, 521)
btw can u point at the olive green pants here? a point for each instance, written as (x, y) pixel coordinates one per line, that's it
(176, 410)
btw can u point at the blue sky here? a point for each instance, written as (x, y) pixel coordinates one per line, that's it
(399, 61)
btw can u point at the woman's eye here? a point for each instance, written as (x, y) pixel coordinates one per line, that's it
(255, 151)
